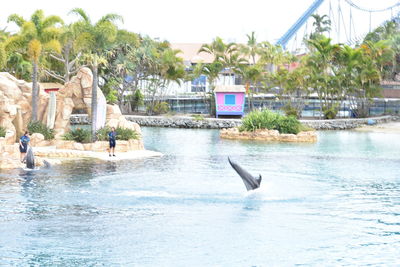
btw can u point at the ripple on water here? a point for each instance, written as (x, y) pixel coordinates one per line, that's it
(336, 202)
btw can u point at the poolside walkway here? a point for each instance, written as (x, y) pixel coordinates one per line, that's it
(390, 127)
(52, 152)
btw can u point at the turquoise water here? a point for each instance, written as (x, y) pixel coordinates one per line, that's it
(336, 202)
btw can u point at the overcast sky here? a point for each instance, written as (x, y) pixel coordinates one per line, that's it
(200, 21)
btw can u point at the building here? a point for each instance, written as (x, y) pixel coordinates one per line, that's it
(230, 100)
(189, 54)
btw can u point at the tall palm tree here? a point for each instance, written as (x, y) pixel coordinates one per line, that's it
(251, 48)
(3, 55)
(322, 24)
(35, 37)
(94, 39)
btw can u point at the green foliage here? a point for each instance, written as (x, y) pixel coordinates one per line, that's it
(126, 134)
(2, 131)
(198, 117)
(111, 97)
(291, 111)
(330, 112)
(137, 100)
(78, 135)
(122, 133)
(288, 124)
(102, 134)
(267, 119)
(3, 56)
(264, 119)
(158, 108)
(38, 127)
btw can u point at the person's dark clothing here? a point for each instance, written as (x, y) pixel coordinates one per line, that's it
(111, 138)
(24, 141)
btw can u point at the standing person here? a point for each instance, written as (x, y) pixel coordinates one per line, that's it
(23, 145)
(111, 138)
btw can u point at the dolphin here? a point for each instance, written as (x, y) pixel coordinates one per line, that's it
(47, 164)
(249, 181)
(30, 159)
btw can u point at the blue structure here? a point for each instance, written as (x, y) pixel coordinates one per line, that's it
(300, 22)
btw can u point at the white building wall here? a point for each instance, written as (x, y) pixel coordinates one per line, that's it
(186, 87)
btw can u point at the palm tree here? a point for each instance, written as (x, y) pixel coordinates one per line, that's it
(322, 24)
(35, 37)
(94, 39)
(68, 57)
(251, 48)
(320, 63)
(3, 55)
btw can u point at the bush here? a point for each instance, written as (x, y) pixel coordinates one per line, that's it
(126, 134)
(330, 113)
(267, 119)
(2, 131)
(78, 135)
(111, 97)
(291, 111)
(38, 127)
(137, 100)
(264, 119)
(102, 134)
(122, 133)
(288, 124)
(158, 108)
(198, 117)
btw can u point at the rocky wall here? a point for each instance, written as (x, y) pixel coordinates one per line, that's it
(189, 122)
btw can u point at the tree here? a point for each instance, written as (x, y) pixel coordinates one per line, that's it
(322, 24)
(117, 73)
(35, 37)
(320, 63)
(68, 57)
(94, 39)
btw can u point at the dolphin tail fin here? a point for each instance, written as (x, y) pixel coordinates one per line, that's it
(259, 179)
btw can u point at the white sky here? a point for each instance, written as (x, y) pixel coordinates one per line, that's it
(189, 21)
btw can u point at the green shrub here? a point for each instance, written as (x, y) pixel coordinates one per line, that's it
(288, 124)
(291, 111)
(111, 97)
(38, 127)
(330, 113)
(102, 134)
(198, 117)
(2, 131)
(267, 119)
(126, 134)
(137, 100)
(78, 135)
(122, 133)
(264, 119)
(158, 108)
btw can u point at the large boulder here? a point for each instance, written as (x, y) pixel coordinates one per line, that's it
(36, 138)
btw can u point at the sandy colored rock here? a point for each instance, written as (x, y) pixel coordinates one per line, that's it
(78, 146)
(16, 110)
(36, 138)
(268, 135)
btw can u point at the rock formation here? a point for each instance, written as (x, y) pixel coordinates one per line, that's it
(15, 105)
(269, 135)
(16, 111)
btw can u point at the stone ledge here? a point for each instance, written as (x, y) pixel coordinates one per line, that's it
(212, 123)
(269, 135)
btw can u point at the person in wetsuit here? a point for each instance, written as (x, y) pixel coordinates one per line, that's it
(112, 139)
(23, 145)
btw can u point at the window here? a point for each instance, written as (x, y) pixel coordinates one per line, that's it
(199, 84)
(230, 100)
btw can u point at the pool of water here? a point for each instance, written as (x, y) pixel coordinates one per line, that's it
(336, 202)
